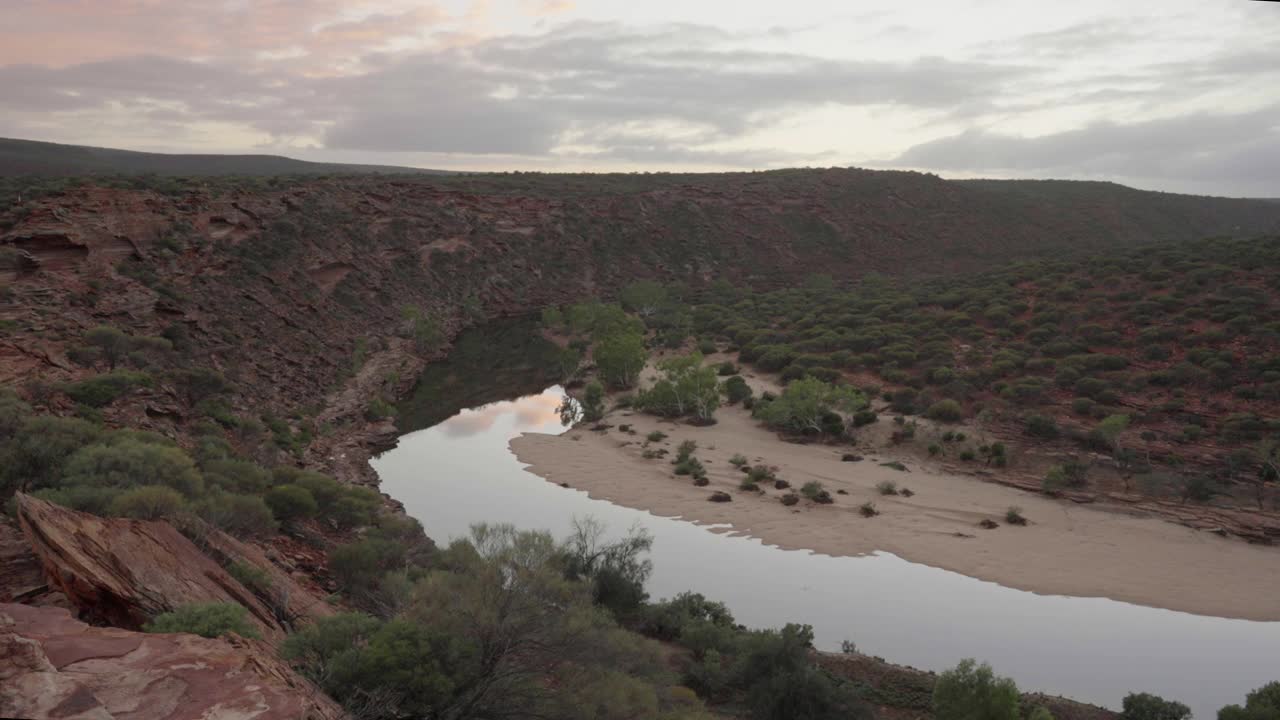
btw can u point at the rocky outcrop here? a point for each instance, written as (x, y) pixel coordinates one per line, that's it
(123, 572)
(293, 602)
(22, 577)
(57, 668)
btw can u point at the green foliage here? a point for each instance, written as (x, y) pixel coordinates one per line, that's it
(379, 409)
(737, 390)
(970, 691)
(35, 455)
(147, 502)
(102, 390)
(198, 384)
(620, 356)
(593, 402)
(244, 516)
(686, 388)
(209, 620)
(251, 576)
(111, 343)
(1261, 704)
(1144, 706)
(616, 570)
(644, 297)
(804, 405)
(129, 462)
(425, 329)
(1039, 426)
(945, 411)
(236, 476)
(291, 503)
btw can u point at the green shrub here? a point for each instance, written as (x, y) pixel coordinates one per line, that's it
(814, 491)
(251, 576)
(945, 411)
(358, 506)
(35, 456)
(971, 691)
(864, 417)
(243, 516)
(147, 502)
(325, 489)
(737, 390)
(209, 620)
(379, 409)
(1144, 706)
(96, 500)
(358, 566)
(237, 476)
(291, 502)
(129, 462)
(1261, 704)
(887, 487)
(1039, 426)
(102, 390)
(656, 436)
(593, 402)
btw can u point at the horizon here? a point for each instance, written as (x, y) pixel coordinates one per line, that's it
(1175, 97)
(498, 171)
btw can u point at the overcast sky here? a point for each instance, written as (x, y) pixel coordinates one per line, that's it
(1179, 95)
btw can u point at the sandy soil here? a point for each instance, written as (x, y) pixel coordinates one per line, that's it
(1066, 549)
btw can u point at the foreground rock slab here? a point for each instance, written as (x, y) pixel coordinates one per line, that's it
(123, 572)
(57, 668)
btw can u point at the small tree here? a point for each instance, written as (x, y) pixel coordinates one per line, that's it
(620, 356)
(805, 404)
(593, 402)
(643, 297)
(1144, 706)
(111, 344)
(971, 691)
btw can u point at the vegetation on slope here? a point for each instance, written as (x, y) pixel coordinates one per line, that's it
(1167, 360)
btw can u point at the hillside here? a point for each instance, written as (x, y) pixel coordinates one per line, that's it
(278, 283)
(195, 354)
(30, 157)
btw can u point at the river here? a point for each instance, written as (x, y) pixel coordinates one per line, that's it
(460, 471)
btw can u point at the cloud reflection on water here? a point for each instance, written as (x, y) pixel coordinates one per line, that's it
(528, 412)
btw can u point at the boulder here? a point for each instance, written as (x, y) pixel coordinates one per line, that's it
(123, 572)
(55, 667)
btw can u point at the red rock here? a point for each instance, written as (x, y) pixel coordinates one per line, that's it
(53, 666)
(123, 572)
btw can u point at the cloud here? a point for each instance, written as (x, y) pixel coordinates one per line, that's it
(1238, 153)
(582, 82)
(576, 87)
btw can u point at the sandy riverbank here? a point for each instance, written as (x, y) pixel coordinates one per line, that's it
(1066, 549)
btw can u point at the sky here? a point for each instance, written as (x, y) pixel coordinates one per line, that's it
(1176, 95)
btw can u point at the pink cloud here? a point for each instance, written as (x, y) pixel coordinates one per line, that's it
(59, 33)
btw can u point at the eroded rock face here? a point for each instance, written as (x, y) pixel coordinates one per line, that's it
(53, 666)
(123, 572)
